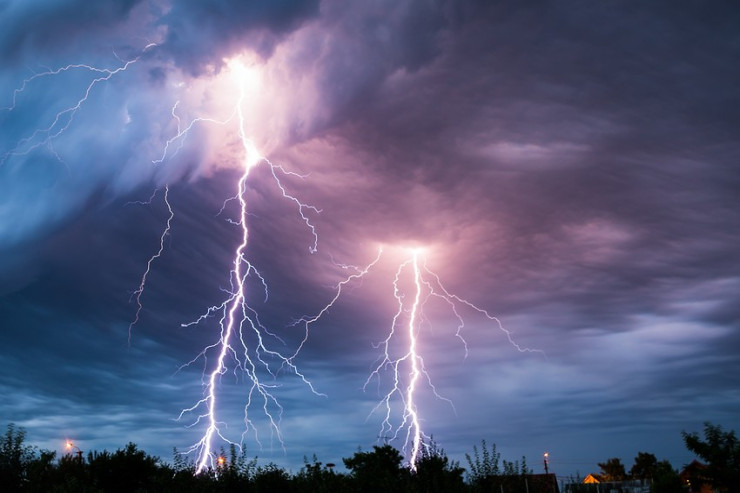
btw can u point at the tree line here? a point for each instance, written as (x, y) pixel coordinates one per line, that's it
(26, 468)
(720, 471)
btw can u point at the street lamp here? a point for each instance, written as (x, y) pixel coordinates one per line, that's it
(546, 460)
(71, 445)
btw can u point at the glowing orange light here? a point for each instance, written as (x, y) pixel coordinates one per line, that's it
(221, 461)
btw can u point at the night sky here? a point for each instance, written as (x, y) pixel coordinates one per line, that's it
(570, 168)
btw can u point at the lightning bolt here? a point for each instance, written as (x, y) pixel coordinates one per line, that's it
(407, 370)
(241, 345)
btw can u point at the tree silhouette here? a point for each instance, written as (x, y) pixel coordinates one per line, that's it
(483, 464)
(613, 469)
(42, 472)
(15, 458)
(379, 470)
(272, 478)
(666, 479)
(644, 466)
(127, 469)
(721, 451)
(485, 474)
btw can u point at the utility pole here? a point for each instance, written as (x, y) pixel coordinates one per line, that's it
(71, 445)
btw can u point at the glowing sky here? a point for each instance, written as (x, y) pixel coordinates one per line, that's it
(570, 168)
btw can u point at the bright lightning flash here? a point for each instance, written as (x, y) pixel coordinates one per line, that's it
(239, 323)
(407, 369)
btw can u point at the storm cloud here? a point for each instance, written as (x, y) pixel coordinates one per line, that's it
(570, 167)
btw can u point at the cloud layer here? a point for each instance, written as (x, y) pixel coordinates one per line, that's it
(570, 169)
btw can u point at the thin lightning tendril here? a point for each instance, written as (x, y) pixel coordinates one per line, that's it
(307, 321)
(136, 295)
(183, 132)
(63, 119)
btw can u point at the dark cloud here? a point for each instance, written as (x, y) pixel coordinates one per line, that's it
(52, 27)
(199, 34)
